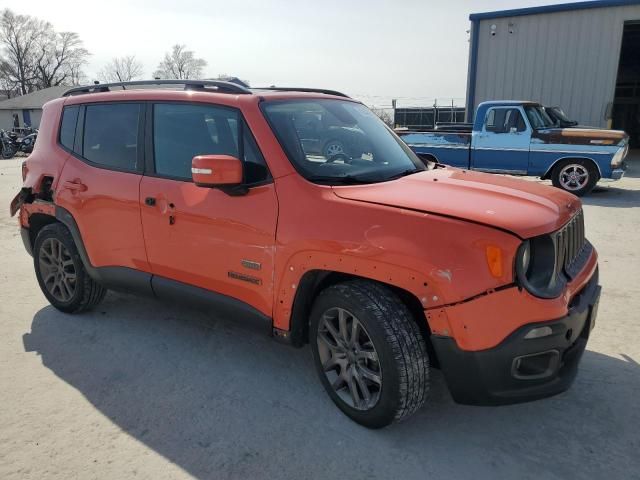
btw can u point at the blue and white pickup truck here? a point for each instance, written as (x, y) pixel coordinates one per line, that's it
(519, 138)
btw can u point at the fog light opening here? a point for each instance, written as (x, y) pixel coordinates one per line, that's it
(535, 366)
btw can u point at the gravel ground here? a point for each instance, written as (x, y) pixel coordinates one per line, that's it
(141, 389)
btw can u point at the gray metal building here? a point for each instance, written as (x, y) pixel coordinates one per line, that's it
(584, 57)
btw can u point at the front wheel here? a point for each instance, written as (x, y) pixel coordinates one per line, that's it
(8, 151)
(575, 176)
(369, 353)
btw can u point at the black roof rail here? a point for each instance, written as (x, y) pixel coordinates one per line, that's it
(304, 89)
(220, 86)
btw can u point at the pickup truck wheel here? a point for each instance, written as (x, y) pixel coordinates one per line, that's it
(61, 273)
(369, 353)
(575, 176)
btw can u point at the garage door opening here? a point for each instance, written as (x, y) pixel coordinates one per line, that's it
(626, 104)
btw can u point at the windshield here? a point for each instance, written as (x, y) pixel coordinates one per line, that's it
(538, 118)
(339, 142)
(559, 117)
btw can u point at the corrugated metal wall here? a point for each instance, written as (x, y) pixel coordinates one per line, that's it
(566, 58)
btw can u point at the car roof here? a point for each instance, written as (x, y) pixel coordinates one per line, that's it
(509, 102)
(179, 89)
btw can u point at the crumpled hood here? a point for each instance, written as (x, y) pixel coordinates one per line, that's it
(523, 207)
(581, 136)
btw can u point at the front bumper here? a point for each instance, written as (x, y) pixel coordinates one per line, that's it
(618, 173)
(519, 369)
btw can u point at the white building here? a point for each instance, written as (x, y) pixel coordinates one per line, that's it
(26, 110)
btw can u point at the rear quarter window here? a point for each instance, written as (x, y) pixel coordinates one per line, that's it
(68, 126)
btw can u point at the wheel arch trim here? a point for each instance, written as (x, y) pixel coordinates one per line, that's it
(547, 173)
(291, 319)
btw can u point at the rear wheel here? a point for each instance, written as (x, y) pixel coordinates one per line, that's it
(369, 353)
(61, 273)
(575, 176)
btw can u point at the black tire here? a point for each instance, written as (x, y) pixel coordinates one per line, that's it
(84, 293)
(397, 341)
(8, 151)
(579, 189)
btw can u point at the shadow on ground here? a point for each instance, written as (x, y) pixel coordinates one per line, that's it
(612, 196)
(223, 402)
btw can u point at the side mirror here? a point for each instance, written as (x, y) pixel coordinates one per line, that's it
(216, 171)
(513, 130)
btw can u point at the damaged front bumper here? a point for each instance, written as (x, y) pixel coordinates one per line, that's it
(524, 366)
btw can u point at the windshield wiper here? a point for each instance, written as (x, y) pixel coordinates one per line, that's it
(345, 180)
(358, 180)
(404, 173)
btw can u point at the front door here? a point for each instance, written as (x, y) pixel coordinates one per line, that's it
(503, 144)
(203, 236)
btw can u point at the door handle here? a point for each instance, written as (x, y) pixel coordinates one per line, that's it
(75, 186)
(150, 201)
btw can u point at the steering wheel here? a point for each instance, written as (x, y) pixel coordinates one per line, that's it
(337, 157)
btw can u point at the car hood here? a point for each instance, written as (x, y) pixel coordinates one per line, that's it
(581, 136)
(525, 208)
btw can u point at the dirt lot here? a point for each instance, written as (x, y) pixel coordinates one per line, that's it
(141, 389)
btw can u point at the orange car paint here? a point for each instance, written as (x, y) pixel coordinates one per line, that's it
(427, 234)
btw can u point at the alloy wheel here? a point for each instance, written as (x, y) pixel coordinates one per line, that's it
(57, 270)
(349, 359)
(574, 177)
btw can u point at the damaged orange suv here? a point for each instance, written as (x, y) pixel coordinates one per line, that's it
(299, 210)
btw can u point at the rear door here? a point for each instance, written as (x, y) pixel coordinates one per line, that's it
(100, 181)
(201, 236)
(502, 146)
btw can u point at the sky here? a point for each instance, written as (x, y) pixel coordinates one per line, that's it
(412, 50)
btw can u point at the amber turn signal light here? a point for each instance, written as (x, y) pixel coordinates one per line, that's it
(494, 260)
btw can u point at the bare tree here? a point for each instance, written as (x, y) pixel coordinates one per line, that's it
(384, 115)
(8, 86)
(35, 56)
(19, 38)
(121, 69)
(180, 64)
(60, 56)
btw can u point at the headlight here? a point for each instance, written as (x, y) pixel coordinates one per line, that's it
(536, 268)
(617, 159)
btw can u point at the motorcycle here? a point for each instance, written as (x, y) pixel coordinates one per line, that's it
(28, 142)
(8, 149)
(11, 143)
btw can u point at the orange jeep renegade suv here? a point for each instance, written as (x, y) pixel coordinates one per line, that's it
(301, 210)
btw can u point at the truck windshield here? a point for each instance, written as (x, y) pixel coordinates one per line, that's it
(338, 142)
(559, 117)
(538, 118)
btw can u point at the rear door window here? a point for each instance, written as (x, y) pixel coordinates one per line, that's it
(111, 135)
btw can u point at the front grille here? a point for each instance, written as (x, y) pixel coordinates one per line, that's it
(572, 248)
